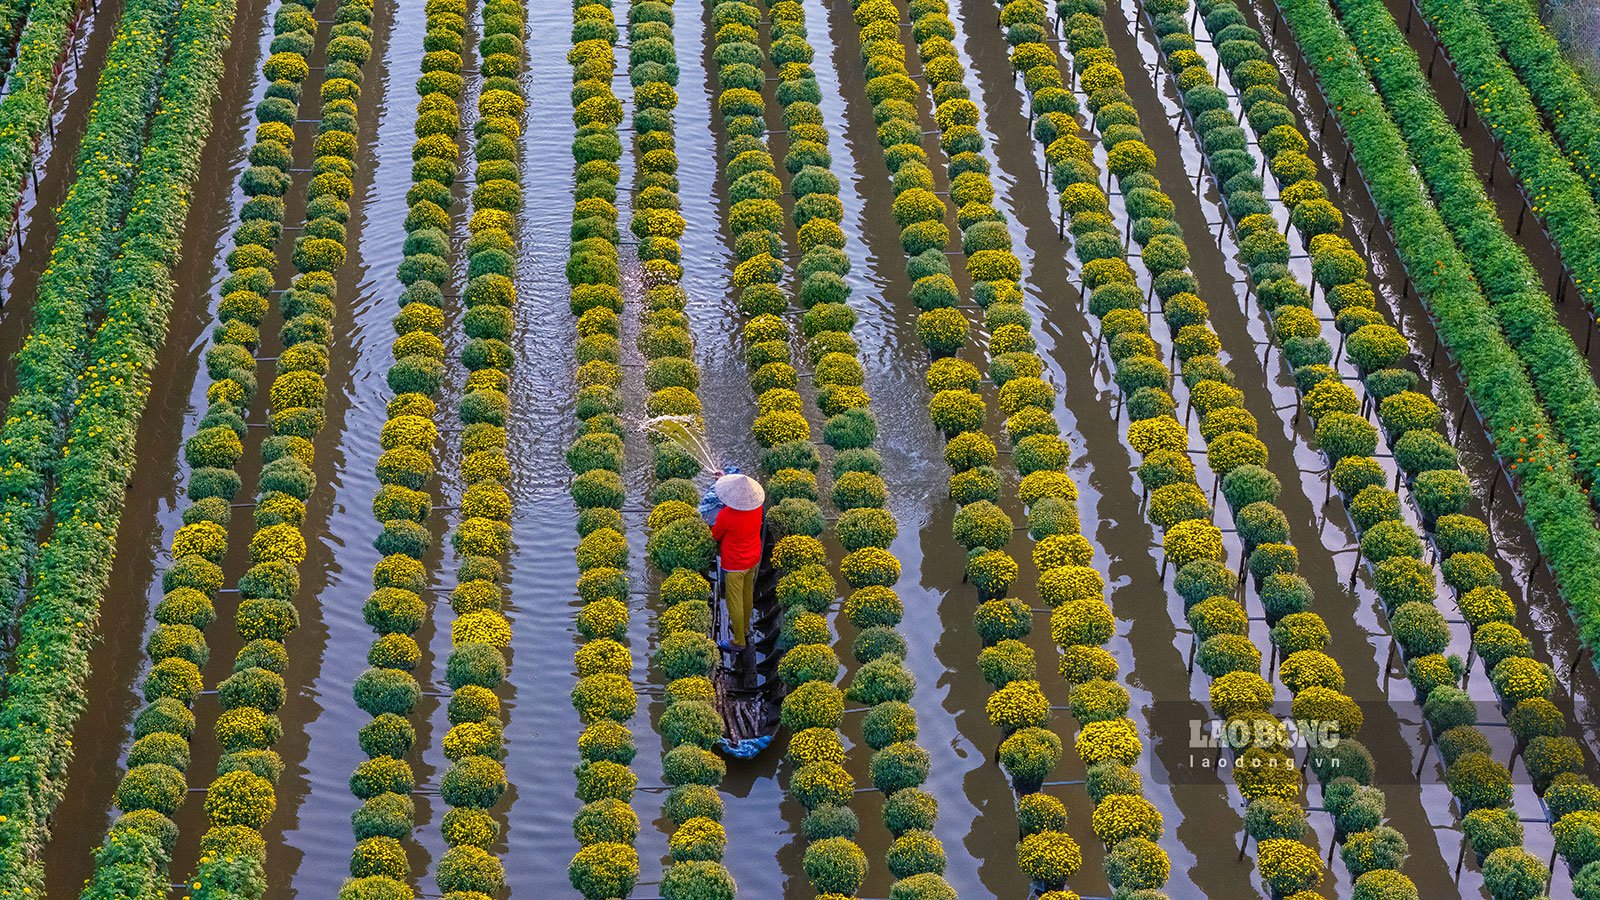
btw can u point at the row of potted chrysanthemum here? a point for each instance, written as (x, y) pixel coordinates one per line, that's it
(606, 864)
(480, 633)
(242, 798)
(680, 545)
(865, 527)
(388, 691)
(806, 590)
(1267, 776)
(1082, 622)
(1018, 706)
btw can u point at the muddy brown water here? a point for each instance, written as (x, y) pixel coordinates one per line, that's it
(310, 838)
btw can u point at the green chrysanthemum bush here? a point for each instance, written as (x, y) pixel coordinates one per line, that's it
(982, 524)
(604, 869)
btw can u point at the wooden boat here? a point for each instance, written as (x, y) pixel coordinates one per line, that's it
(749, 693)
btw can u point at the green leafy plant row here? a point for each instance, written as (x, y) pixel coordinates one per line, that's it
(44, 693)
(1540, 463)
(606, 865)
(32, 80)
(1481, 785)
(679, 539)
(69, 292)
(13, 13)
(1413, 427)
(1557, 193)
(242, 798)
(1030, 750)
(135, 858)
(1569, 108)
(388, 691)
(1508, 278)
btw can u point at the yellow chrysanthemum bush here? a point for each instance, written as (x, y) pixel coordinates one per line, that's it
(606, 864)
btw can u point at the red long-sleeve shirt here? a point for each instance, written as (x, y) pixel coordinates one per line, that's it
(739, 533)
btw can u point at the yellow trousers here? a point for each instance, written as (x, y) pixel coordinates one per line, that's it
(739, 592)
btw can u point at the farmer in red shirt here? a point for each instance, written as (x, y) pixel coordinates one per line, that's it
(738, 532)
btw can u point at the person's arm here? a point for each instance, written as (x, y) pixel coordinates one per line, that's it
(719, 527)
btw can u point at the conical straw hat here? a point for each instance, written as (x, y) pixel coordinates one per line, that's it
(740, 492)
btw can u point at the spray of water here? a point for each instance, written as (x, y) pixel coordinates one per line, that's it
(687, 432)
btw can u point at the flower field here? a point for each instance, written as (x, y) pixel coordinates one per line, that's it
(1178, 422)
